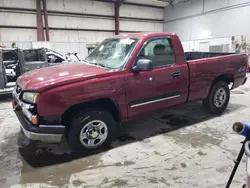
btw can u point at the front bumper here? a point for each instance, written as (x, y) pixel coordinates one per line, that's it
(43, 133)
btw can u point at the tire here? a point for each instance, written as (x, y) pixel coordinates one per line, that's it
(211, 104)
(97, 127)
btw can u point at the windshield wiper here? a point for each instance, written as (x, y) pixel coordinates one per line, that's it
(101, 65)
(86, 61)
(98, 64)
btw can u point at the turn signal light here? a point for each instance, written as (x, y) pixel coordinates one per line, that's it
(36, 98)
(34, 120)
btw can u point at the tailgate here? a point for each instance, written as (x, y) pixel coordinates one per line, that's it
(240, 65)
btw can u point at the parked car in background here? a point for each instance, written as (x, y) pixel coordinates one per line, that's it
(10, 61)
(16, 62)
(6, 87)
(125, 77)
(54, 57)
(19, 61)
(33, 59)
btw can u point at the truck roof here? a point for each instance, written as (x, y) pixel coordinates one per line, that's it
(9, 49)
(143, 34)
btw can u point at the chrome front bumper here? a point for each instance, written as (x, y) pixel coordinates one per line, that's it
(43, 133)
(46, 138)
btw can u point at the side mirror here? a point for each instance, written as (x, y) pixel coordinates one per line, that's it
(143, 65)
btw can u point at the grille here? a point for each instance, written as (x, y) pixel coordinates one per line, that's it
(18, 90)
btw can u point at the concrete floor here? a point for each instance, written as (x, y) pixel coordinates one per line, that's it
(182, 147)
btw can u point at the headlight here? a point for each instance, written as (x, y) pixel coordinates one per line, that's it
(30, 97)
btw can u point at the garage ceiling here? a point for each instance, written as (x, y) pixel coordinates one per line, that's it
(149, 2)
(155, 3)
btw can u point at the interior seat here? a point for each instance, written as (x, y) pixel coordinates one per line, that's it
(162, 57)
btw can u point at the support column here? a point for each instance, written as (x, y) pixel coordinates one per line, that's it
(40, 34)
(46, 20)
(117, 18)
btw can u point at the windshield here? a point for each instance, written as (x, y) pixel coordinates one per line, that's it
(112, 53)
(34, 55)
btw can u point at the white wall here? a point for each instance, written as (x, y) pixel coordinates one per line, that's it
(215, 21)
(63, 34)
(18, 3)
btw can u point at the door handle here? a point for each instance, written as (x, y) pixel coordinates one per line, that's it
(176, 74)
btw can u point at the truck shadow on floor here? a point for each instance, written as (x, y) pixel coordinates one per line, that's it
(41, 155)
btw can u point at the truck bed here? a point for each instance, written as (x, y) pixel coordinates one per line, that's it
(201, 55)
(204, 67)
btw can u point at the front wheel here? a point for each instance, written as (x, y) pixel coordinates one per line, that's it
(91, 130)
(218, 98)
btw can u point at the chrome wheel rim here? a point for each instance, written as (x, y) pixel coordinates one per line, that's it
(220, 97)
(93, 134)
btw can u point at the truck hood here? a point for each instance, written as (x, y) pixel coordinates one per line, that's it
(45, 78)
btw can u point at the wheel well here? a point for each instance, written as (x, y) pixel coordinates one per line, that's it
(228, 78)
(105, 103)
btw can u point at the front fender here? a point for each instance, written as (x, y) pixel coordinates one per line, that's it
(57, 100)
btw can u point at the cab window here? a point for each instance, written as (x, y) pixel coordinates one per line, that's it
(159, 51)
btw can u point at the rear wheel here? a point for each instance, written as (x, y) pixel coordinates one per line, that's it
(218, 98)
(91, 130)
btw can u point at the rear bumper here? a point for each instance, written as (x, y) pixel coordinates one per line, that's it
(43, 133)
(245, 80)
(239, 80)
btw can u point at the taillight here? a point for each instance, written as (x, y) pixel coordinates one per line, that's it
(242, 69)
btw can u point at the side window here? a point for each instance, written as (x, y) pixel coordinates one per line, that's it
(54, 59)
(51, 58)
(58, 59)
(159, 51)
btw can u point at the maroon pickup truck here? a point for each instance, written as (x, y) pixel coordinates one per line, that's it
(125, 77)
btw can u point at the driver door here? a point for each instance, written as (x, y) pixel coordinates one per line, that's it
(166, 85)
(32, 59)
